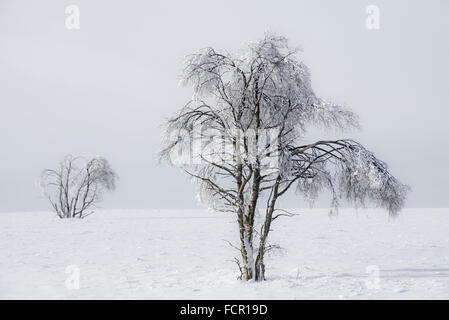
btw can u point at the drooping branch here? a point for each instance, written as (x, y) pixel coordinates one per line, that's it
(357, 174)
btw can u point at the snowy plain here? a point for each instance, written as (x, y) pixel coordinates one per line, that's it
(182, 254)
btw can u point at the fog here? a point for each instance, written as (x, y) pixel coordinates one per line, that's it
(107, 88)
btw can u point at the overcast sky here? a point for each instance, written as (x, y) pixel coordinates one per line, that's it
(106, 88)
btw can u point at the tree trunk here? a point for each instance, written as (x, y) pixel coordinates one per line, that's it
(259, 263)
(246, 270)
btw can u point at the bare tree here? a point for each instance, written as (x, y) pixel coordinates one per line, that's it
(242, 140)
(77, 185)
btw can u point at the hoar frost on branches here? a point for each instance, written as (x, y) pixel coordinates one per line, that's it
(77, 185)
(242, 140)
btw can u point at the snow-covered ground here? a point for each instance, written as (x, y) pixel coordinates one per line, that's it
(164, 254)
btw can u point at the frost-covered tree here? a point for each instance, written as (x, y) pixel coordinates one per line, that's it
(77, 185)
(242, 139)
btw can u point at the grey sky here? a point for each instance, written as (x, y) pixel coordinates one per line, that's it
(106, 89)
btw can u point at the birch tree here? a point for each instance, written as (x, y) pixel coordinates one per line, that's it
(77, 185)
(242, 138)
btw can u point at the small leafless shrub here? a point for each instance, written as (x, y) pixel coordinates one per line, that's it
(77, 185)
